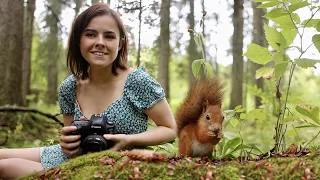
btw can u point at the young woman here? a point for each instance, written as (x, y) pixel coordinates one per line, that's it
(101, 83)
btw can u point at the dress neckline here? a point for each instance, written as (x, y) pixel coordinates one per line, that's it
(116, 100)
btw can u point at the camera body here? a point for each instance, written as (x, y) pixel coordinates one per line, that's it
(92, 132)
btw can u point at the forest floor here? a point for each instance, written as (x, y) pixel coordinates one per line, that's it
(146, 164)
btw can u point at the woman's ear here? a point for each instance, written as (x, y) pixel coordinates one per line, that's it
(121, 43)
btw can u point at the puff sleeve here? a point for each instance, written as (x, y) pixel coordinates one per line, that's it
(143, 90)
(67, 95)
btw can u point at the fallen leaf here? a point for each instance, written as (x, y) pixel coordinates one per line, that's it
(295, 166)
(107, 160)
(260, 164)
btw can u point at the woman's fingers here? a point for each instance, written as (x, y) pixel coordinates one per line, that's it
(70, 138)
(70, 146)
(68, 129)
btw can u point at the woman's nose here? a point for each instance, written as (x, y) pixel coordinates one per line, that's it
(100, 42)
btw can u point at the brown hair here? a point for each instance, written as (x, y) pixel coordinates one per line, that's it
(75, 62)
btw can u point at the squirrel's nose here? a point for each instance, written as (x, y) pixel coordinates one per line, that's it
(216, 130)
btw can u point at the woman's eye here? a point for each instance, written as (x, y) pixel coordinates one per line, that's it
(207, 117)
(90, 35)
(109, 37)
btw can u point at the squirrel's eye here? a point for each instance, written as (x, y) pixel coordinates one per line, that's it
(223, 117)
(207, 117)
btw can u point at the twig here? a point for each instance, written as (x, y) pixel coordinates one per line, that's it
(25, 109)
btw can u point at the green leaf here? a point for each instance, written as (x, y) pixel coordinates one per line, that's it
(289, 35)
(234, 122)
(203, 40)
(231, 144)
(280, 69)
(196, 38)
(240, 110)
(306, 63)
(237, 107)
(309, 111)
(294, 1)
(269, 4)
(243, 116)
(257, 114)
(318, 27)
(286, 22)
(298, 5)
(277, 12)
(209, 69)
(275, 39)
(289, 119)
(311, 22)
(306, 126)
(258, 54)
(265, 72)
(316, 41)
(280, 57)
(196, 65)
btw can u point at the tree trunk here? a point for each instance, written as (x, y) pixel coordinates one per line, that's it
(192, 49)
(139, 35)
(52, 73)
(95, 1)
(164, 53)
(237, 45)
(258, 38)
(78, 6)
(11, 54)
(27, 44)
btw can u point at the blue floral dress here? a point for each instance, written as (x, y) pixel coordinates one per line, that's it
(141, 91)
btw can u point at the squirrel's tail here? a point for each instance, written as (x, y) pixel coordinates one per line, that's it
(190, 109)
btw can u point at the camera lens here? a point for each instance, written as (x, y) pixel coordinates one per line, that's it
(94, 143)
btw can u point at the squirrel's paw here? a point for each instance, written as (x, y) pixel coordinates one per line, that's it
(220, 135)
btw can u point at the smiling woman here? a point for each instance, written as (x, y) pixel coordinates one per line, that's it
(101, 83)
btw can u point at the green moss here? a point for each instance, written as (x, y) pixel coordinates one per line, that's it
(91, 166)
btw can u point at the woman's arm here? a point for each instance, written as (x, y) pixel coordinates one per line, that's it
(165, 131)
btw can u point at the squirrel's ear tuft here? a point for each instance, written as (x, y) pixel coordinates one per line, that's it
(205, 105)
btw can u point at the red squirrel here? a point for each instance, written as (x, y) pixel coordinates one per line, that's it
(199, 119)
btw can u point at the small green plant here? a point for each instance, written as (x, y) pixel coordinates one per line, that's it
(228, 147)
(288, 25)
(200, 66)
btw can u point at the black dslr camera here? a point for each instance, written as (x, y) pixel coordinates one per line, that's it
(92, 132)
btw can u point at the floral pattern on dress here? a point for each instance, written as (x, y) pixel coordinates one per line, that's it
(141, 91)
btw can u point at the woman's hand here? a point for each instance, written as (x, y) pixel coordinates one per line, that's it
(69, 143)
(121, 140)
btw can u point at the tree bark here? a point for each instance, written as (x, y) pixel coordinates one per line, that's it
(52, 73)
(11, 54)
(95, 1)
(27, 45)
(139, 35)
(258, 38)
(237, 45)
(164, 53)
(192, 46)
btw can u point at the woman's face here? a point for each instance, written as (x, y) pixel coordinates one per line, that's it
(99, 42)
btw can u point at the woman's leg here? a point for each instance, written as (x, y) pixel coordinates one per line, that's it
(32, 154)
(14, 168)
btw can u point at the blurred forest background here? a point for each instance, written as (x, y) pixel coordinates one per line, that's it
(34, 33)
